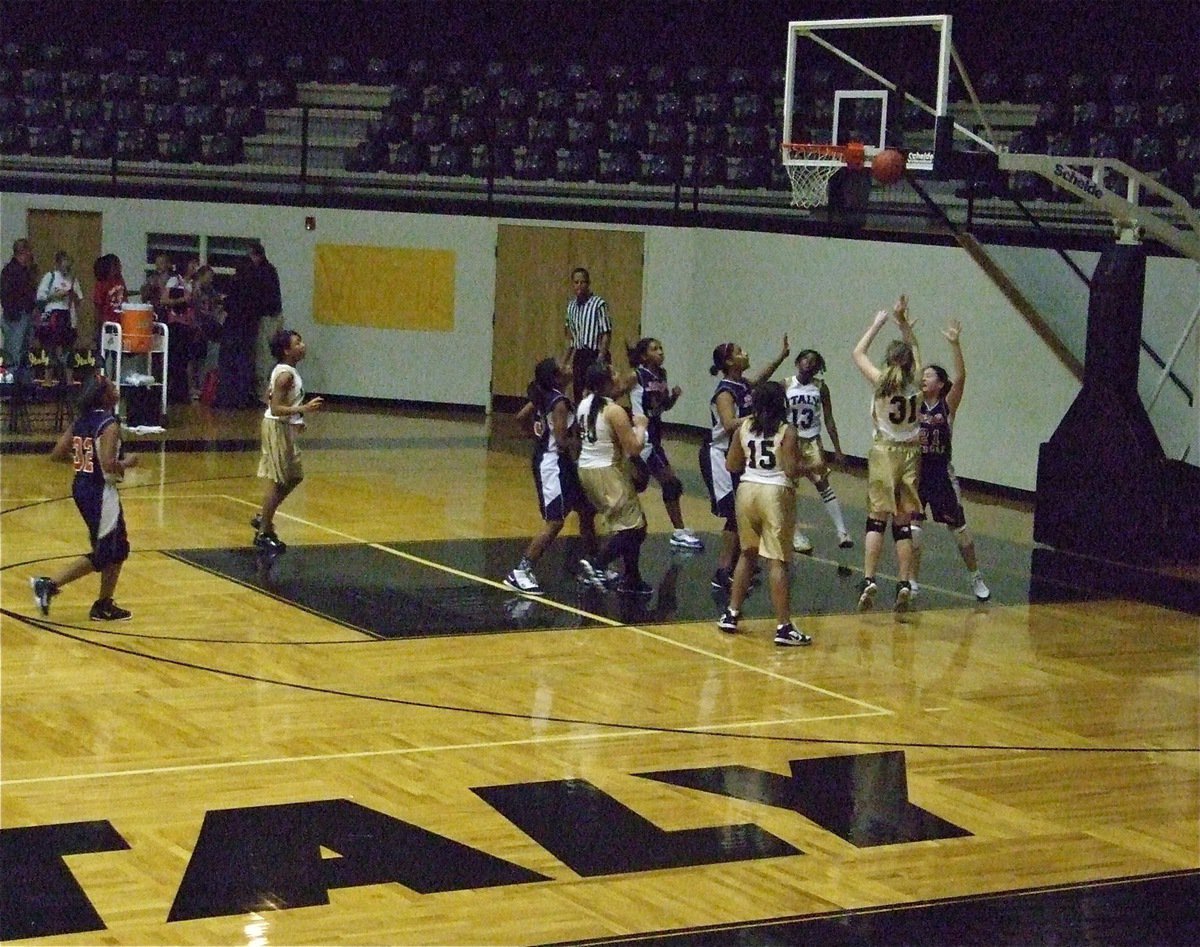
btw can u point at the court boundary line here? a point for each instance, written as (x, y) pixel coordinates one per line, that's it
(583, 613)
(702, 730)
(612, 726)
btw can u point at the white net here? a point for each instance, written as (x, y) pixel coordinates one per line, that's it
(810, 169)
(810, 183)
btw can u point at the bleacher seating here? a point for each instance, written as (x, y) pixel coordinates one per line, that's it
(50, 140)
(616, 167)
(531, 164)
(495, 73)
(573, 121)
(176, 62)
(484, 161)
(11, 109)
(220, 148)
(14, 139)
(136, 144)
(95, 142)
(219, 64)
(406, 158)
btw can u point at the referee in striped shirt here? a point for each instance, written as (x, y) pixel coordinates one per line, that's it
(588, 329)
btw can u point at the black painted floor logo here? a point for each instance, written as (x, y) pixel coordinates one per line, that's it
(274, 857)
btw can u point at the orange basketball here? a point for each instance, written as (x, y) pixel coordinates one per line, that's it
(887, 167)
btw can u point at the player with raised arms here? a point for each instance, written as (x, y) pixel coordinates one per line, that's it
(894, 461)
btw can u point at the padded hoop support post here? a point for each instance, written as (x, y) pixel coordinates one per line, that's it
(1087, 499)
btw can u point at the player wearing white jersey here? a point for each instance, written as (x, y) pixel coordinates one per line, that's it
(811, 410)
(764, 451)
(607, 438)
(729, 403)
(279, 463)
(893, 464)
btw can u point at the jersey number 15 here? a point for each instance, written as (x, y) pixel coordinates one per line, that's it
(761, 454)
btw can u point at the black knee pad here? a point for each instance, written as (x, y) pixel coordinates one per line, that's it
(901, 532)
(730, 525)
(672, 489)
(875, 526)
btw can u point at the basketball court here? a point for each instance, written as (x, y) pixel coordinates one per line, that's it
(368, 739)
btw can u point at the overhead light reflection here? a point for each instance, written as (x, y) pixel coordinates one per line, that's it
(256, 931)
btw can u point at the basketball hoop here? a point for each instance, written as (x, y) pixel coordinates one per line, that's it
(811, 167)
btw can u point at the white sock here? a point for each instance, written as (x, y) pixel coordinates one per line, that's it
(834, 509)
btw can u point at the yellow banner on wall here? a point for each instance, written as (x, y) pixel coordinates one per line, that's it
(384, 287)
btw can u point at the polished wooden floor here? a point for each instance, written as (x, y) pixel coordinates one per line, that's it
(240, 764)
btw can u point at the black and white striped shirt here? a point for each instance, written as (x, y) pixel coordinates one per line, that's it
(587, 321)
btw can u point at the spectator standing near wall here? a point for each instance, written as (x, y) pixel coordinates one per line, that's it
(18, 297)
(154, 289)
(187, 347)
(209, 306)
(109, 293)
(254, 302)
(588, 329)
(59, 295)
(268, 306)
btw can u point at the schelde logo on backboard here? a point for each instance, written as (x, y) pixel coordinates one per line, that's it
(1074, 178)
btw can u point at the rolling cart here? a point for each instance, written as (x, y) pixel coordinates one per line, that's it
(122, 353)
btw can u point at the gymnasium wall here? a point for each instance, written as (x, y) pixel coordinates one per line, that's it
(751, 288)
(701, 287)
(1171, 298)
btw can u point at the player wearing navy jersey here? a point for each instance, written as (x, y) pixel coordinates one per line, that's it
(730, 402)
(764, 450)
(939, 489)
(93, 446)
(549, 416)
(650, 396)
(893, 464)
(811, 410)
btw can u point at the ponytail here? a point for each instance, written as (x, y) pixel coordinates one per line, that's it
(596, 380)
(897, 374)
(769, 407)
(721, 355)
